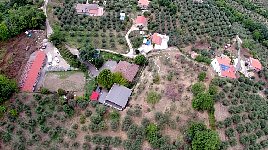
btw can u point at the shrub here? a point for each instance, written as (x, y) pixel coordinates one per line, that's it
(140, 60)
(152, 135)
(114, 125)
(45, 91)
(202, 76)
(87, 138)
(153, 97)
(75, 126)
(82, 119)
(198, 88)
(206, 139)
(126, 123)
(88, 113)
(61, 92)
(114, 115)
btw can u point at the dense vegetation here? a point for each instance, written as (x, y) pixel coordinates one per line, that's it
(202, 138)
(17, 16)
(106, 79)
(7, 88)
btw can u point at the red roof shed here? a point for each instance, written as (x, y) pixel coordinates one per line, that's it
(94, 96)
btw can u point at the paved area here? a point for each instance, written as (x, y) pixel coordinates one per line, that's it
(111, 65)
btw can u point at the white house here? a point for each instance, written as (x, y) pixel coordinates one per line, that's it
(222, 65)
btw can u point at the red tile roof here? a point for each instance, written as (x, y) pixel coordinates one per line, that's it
(224, 60)
(144, 2)
(141, 20)
(230, 73)
(93, 11)
(127, 69)
(156, 39)
(33, 73)
(255, 63)
(94, 96)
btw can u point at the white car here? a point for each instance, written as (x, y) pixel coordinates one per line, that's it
(57, 59)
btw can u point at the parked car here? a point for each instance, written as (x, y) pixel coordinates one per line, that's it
(44, 45)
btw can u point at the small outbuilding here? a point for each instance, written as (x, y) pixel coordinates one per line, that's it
(94, 96)
(118, 97)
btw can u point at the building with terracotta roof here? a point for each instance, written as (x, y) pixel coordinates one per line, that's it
(160, 41)
(89, 9)
(143, 4)
(32, 74)
(222, 65)
(141, 22)
(127, 69)
(254, 64)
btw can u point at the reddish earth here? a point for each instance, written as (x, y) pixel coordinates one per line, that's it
(17, 51)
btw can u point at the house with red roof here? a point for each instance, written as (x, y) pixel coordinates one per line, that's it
(160, 41)
(127, 69)
(89, 9)
(254, 64)
(222, 65)
(141, 22)
(143, 4)
(31, 76)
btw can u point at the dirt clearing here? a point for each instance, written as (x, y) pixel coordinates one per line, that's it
(15, 53)
(69, 81)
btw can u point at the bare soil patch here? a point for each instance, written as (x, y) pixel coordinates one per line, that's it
(15, 53)
(176, 75)
(69, 81)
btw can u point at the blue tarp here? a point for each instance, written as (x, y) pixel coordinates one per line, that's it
(148, 42)
(224, 67)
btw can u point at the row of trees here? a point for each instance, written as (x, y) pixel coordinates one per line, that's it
(247, 110)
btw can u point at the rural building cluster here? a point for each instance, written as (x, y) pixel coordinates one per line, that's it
(134, 74)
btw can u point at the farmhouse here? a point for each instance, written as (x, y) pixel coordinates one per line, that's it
(89, 9)
(32, 72)
(127, 69)
(160, 41)
(254, 64)
(222, 65)
(143, 4)
(141, 22)
(118, 97)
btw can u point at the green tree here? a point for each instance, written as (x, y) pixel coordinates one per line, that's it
(198, 88)
(118, 78)
(140, 60)
(152, 134)
(4, 33)
(213, 90)
(7, 88)
(206, 140)
(57, 37)
(203, 101)
(105, 78)
(202, 76)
